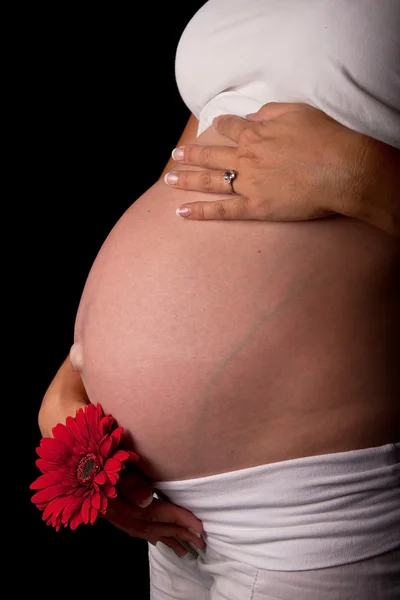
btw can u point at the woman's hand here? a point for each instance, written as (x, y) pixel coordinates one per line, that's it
(160, 521)
(293, 163)
(134, 510)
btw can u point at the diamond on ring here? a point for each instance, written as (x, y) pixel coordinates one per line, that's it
(230, 176)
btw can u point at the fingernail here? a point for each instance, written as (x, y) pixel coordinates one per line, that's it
(194, 532)
(250, 115)
(177, 153)
(171, 178)
(183, 211)
(198, 551)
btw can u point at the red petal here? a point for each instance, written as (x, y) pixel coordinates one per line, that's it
(63, 434)
(93, 420)
(112, 466)
(74, 429)
(96, 500)
(46, 480)
(50, 456)
(45, 466)
(82, 423)
(48, 493)
(86, 510)
(120, 455)
(76, 520)
(93, 514)
(116, 437)
(109, 491)
(72, 504)
(112, 478)
(106, 424)
(70, 482)
(79, 491)
(55, 507)
(103, 503)
(100, 411)
(81, 449)
(54, 445)
(133, 457)
(100, 478)
(105, 447)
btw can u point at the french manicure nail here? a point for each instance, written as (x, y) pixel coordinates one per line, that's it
(177, 153)
(183, 212)
(171, 178)
(198, 551)
(194, 532)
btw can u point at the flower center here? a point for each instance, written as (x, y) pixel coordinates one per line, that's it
(88, 468)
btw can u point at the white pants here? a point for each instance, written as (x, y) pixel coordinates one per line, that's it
(315, 528)
(216, 577)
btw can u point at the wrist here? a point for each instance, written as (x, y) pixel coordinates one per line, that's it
(370, 195)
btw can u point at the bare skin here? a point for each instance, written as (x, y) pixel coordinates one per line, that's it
(135, 511)
(294, 163)
(221, 345)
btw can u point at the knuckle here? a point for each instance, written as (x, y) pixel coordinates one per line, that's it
(220, 210)
(204, 156)
(206, 181)
(248, 159)
(243, 206)
(189, 154)
(223, 119)
(200, 212)
(264, 208)
(183, 179)
(248, 135)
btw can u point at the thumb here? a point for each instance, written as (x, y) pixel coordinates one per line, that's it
(136, 487)
(272, 110)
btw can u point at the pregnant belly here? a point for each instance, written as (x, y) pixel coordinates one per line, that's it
(221, 345)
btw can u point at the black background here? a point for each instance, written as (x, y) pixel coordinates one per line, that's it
(97, 93)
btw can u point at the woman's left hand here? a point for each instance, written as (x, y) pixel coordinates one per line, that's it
(155, 520)
(292, 163)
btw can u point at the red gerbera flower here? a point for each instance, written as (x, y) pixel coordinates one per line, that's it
(79, 467)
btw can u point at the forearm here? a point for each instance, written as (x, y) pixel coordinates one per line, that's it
(375, 198)
(65, 394)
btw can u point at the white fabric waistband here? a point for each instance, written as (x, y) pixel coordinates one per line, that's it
(300, 514)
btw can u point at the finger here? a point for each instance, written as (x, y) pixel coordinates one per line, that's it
(153, 532)
(200, 181)
(230, 126)
(166, 512)
(208, 157)
(175, 546)
(137, 523)
(238, 208)
(272, 110)
(136, 487)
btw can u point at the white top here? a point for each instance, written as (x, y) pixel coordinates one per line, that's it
(341, 56)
